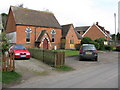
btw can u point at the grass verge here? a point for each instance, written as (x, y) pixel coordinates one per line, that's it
(8, 77)
(63, 68)
(69, 52)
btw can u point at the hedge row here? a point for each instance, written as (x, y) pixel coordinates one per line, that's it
(47, 56)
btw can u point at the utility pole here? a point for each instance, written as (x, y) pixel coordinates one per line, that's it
(115, 28)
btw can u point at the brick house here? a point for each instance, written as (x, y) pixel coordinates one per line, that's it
(94, 32)
(69, 37)
(33, 28)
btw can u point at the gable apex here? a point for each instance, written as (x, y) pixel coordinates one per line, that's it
(91, 27)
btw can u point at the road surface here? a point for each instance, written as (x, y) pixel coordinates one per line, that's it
(102, 74)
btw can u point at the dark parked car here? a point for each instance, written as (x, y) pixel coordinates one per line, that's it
(118, 47)
(88, 51)
(19, 51)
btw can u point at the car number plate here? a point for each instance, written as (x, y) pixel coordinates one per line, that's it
(88, 52)
(23, 55)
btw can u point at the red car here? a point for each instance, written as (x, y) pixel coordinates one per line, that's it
(19, 51)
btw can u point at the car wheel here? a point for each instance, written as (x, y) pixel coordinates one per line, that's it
(96, 59)
(80, 58)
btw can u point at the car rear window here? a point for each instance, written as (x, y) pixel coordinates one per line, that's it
(89, 48)
(19, 48)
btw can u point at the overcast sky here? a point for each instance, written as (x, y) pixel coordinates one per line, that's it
(77, 12)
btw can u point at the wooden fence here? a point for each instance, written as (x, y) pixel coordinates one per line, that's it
(8, 63)
(52, 58)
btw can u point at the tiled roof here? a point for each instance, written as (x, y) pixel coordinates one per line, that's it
(83, 28)
(65, 29)
(24, 16)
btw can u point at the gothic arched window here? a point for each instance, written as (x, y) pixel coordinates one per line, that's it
(28, 31)
(53, 35)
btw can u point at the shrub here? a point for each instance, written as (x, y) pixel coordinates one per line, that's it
(108, 47)
(101, 43)
(86, 40)
(97, 45)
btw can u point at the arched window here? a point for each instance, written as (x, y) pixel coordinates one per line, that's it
(28, 31)
(53, 35)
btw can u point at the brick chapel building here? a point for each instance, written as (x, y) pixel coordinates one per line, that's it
(33, 28)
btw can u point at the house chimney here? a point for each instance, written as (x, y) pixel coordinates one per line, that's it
(96, 23)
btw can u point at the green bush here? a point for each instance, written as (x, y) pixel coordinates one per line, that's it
(108, 47)
(101, 43)
(97, 45)
(86, 40)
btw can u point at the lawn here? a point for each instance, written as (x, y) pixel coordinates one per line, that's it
(8, 77)
(63, 68)
(69, 52)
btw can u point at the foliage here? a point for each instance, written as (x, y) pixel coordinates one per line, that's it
(47, 56)
(71, 52)
(108, 47)
(4, 43)
(117, 36)
(8, 77)
(63, 68)
(101, 43)
(86, 40)
(97, 45)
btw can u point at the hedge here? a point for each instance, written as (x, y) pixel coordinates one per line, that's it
(52, 58)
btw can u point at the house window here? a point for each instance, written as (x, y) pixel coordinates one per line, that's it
(28, 31)
(53, 35)
(71, 41)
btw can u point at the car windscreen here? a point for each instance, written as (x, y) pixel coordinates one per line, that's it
(19, 48)
(89, 48)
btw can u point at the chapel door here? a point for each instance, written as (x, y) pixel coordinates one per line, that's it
(45, 44)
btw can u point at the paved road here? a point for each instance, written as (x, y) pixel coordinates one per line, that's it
(102, 74)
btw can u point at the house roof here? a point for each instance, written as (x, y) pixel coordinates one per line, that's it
(78, 35)
(1, 26)
(83, 28)
(65, 29)
(24, 16)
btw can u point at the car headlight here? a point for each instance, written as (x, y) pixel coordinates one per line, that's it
(27, 53)
(17, 53)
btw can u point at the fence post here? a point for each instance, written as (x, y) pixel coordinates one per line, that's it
(4, 62)
(55, 59)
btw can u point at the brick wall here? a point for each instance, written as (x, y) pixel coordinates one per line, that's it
(71, 36)
(21, 35)
(10, 27)
(94, 33)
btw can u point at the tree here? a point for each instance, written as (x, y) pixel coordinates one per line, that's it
(4, 43)
(86, 40)
(101, 43)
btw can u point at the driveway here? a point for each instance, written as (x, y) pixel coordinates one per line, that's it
(104, 57)
(88, 74)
